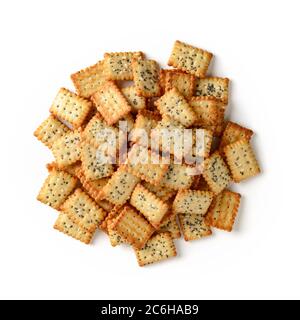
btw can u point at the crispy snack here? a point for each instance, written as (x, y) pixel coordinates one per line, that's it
(89, 80)
(111, 103)
(216, 173)
(223, 210)
(177, 177)
(67, 149)
(114, 238)
(137, 102)
(133, 227)
(119, 187)
(203, 142)
(162, 192)
(50, 130)
(65, 225)
(183, 82)
(241, 160)
(193, 226)
(192, 202)
(113, 213)
(83, 210)
(190, 59)
(212, 87)
(118, 65)
(139, 164)
(174, 105)
(149, 205)
(158, 248)
(72, 169)
(233, 133)
(56, 188)
(169, 224)
(146, 77)
(69, 107)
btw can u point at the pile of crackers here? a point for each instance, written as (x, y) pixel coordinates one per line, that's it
(144, 205)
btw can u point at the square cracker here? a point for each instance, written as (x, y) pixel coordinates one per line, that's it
(70, 107)
(118, 65)
(119, 187)
(192, 202)
(212, 87)
(56, 188)
(133, 227)
(216, 173)
(83, 210)
(65, 225)
(177, 177)
(169, 224)
(89, 80)
(190, 59)
(162, 192)
(149, 205)
(92, 166)
(50, 130)
(234, 132)
(182, 81)
(223, 210)
(241, 160)
(67, 149)
(158, 248)
(193, 226)
(146, 77)
(137, 103)
(174, 105)
(111, 103)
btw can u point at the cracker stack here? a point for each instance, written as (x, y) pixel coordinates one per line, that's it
(144, 205)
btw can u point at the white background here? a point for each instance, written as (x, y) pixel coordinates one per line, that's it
(256, 45)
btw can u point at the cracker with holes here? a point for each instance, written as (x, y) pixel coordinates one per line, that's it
(111, 103)
(137, 102)
(212, 87)
(70, 107)
(193, 226)
(182, 81)
(149, 205)
(190, 59)
(169, 224)
(146, 77)
(174, 105)
(89, 80)
(192, 202)
(216, 173)
(177, 177)
(241, 160)
(158, 248)
(56, 188)
(133, 227)
(223, 210)
(50, 130)
(118, 65)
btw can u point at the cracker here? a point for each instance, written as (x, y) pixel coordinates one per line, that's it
(65, 225)
(233, 133)
(70, 107)
(50, 130)
(83, 210)
(110, 102)
(174, 105)
(193, 226)
(137, 103)
(192, 202)
(92, 166)
(118, 65)
(146, 77)
(241, 160)
(114, 238)
(182, 81)
(158, 248)
(203, 142)
(223, 210)
(177, 177)
(139, 164)
(162, 192)
(190, 59)
(169, 224)
(216, 173)
(149, 205)
(67, 149)
(90, 79)
(212, 87)
(133, 227)
(119, 188)
(71, 169)
(56, 188)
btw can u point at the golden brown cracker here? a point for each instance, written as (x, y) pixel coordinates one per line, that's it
(183, 82)
(212, 87)
(137, 102)
(193, 226)
(177, 177)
